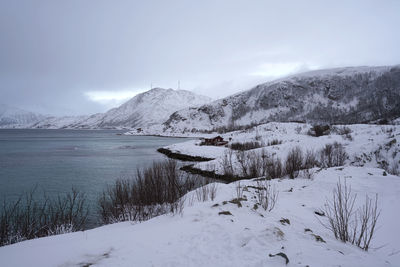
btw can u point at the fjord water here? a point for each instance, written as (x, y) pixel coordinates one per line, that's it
(55, 160)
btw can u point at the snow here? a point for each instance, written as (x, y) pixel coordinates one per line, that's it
(11, 117)
(57, 122)
(346, 71)
(370, 145)
(146, 109)
(151, 107)
(201, 237)
(193, 147)
(322, 96)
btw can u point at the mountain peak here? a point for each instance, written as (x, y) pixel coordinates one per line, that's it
(145, 109)
(339, 95)
(15, 117)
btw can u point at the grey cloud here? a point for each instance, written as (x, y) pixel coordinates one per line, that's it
(52, 52)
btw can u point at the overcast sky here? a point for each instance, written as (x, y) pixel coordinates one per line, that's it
(80, 57)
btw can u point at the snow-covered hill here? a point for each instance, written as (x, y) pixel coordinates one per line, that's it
(146, 109)
(220, 232)
(366, 145)
(57, 122)
(11, 117)
(341, 95)
(205, 234)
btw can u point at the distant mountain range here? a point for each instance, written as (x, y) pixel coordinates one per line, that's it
(146, 109)
(14, 117)
(340, 95)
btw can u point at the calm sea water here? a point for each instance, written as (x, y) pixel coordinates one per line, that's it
(55, 160)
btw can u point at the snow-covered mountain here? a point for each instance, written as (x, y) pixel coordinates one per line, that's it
(57, 122)
(340, 95)
(146, 109)
(11, 117)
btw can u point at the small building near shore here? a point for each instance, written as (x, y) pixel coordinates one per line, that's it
(216, 141)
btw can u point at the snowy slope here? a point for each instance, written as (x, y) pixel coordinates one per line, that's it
(202, 237)
(11, 117)
(152, 107)
(370, 145)
(57, 122)
(341, 95)
(146, 109)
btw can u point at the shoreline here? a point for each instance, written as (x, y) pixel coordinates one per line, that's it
(209, 174)
(158, 135)
(190, 169)
(182, 157)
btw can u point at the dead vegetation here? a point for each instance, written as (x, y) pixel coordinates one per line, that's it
(319, 130)
(266, 194)
(153, 191)
(294, 162)
(245, 146)
(333, 155)
(253, 164)
(206, 192)
(356, 226)
(32, 217)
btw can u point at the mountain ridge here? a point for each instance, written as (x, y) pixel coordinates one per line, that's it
(13, 117)
(145, 109)
(340, 95)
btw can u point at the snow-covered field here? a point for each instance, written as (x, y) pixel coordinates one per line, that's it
(201, 236)
(370, 145)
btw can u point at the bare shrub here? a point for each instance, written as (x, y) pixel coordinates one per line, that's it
(251, 163)
(389, 130)
(267, 195)
(255, 164)
(264, 162)
(356, 227)
(239, 190)
(206, 192)
(348, 137)
(394, 169)
(178, 206)
(29, 218)
(213, 188)
(294, 162)
(152, 192)
(308, 173)
(298, 129)
(227, 163)
(243, 160)
(245, 146)
(274, 168)
(310, 159)
(333, 155)
(319, 130)
(343, 130)
(274, 142)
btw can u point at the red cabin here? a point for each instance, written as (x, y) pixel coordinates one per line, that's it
(216, 141)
